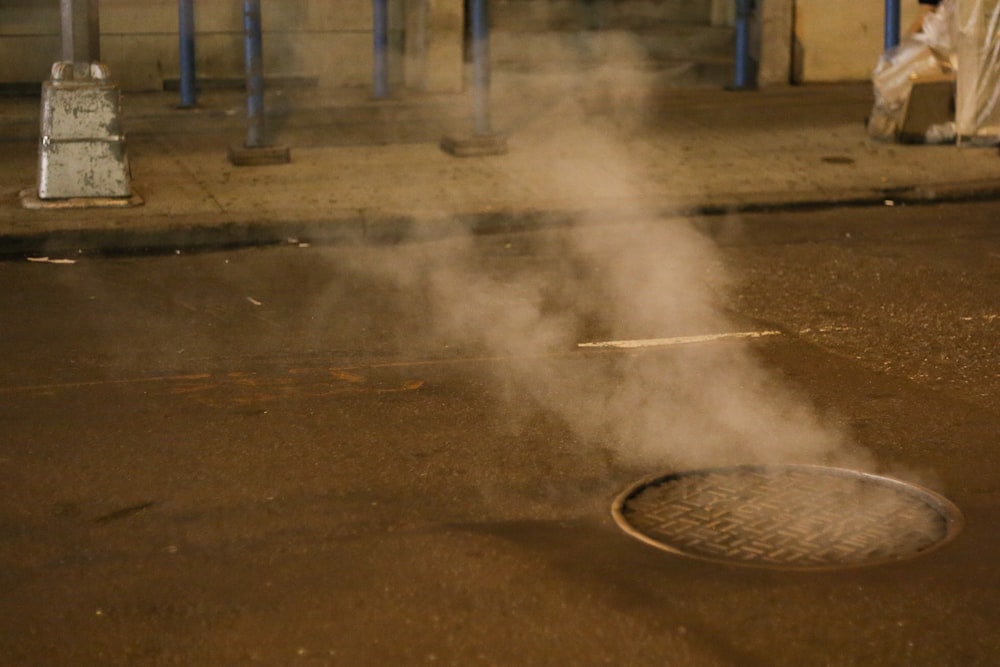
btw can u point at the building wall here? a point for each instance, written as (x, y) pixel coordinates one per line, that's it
(840, 41)
(29, 38)
(330, 41)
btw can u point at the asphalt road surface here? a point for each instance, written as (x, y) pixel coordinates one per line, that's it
(306, 455)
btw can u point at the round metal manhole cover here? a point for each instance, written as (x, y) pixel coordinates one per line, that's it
(794, 517)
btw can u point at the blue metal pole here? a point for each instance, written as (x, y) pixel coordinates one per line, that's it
(741, 75)
(481, 66)
(891, 23)
(380, 17)
(255, 73)
(185, 24)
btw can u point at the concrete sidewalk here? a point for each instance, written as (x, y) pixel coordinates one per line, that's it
(372, 171)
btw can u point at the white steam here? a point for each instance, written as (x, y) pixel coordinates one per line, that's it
(689, 406)
(623, 273)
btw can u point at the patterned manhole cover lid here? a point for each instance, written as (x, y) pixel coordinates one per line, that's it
(794, 517)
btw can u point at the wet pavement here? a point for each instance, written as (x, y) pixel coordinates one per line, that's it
(399, 454)
(378, 441)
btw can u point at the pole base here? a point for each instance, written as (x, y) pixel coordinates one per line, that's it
(477, 145)
(30, 200)
(256, 156)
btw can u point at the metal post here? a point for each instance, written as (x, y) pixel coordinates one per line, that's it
(481, 67)
(253, 53)
(891, 23)
(81, 31)
(742, 75)
(380, 16)
(185, 31)
(483, 141)
(256, 150)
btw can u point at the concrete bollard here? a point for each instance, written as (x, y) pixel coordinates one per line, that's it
(81, 152)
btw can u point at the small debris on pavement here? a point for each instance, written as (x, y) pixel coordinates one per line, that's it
(48, 260)
(254, 301)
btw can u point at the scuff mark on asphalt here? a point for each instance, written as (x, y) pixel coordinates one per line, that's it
(124, 512)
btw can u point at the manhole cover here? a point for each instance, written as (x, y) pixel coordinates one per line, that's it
(796, 517)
